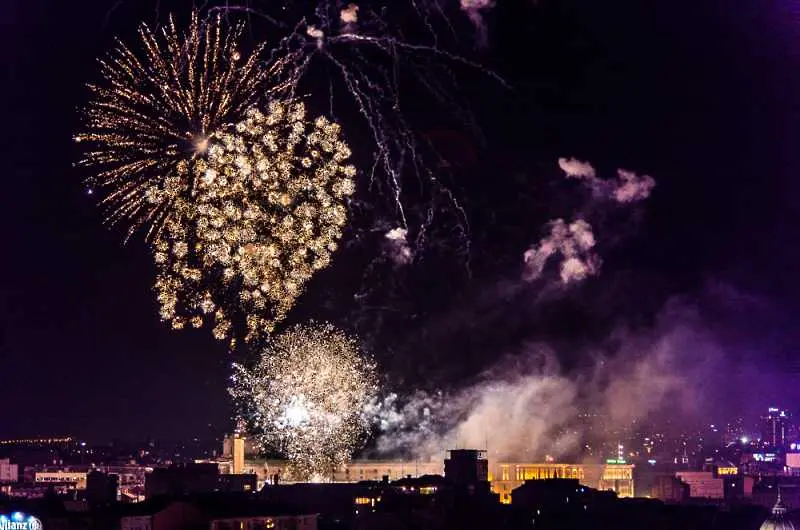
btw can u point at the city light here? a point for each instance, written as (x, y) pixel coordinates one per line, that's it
(20, 521)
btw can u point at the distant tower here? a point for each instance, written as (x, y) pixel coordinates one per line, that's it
(778, 521)
(776, 428)
(238, 454)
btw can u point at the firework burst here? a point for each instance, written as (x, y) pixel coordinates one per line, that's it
(266, 213)
(307, 397)
(156, 108)
(374, 73)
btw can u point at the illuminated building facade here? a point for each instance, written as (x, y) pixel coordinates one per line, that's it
(62, 477)
(505, 477)
(793, 461)
(238, 455)
(274, 471)
(358, 470)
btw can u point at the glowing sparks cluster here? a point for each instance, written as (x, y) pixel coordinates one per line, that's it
(155, 110)
(307, 397)
(266, 212)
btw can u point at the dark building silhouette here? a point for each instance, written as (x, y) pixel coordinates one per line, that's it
(466, 467)
(669, 488)
(101, 488)
(215, 512)
(190, 479)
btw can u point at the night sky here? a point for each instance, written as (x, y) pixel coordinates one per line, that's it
(702, 95)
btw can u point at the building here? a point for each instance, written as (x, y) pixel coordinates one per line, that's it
(554, 492)
(238, 455)
(765, 493)
(506, 476)
(34, 490)
(466, 467)
(358, 470)
(251, 447)
(101, 488)
(8, 472)
(776, 428)
(339, 501)
(669, 488)
(195, 478)
(275, 471)
(793, 462)
(76, 478)
(703, 484)
(219, 512)
(777, 519)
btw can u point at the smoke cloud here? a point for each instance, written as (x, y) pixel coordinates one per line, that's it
(397, 247)
(627, 188)
(349, 15)
(315, 33)
(528, 406)
(631, 187)
(573, 242)
(474, 10)
(576, 169)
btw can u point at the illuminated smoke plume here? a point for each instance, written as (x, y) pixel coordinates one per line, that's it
(397, 246)
(632, 187)
(574, 168)
(349, 15)
(516, 409)
(628, 187)
(474, 10)
(528, 407)
(315, 33)
(574, 243)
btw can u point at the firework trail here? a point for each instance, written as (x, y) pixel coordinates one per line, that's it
(378, 59)
(157, 118)
(307, 397)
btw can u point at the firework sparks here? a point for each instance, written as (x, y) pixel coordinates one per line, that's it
(362, 60)
(155, 110)
(307, 397)
(267, 212)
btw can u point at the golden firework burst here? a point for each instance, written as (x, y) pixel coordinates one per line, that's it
(156, 107)
(267, 211)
